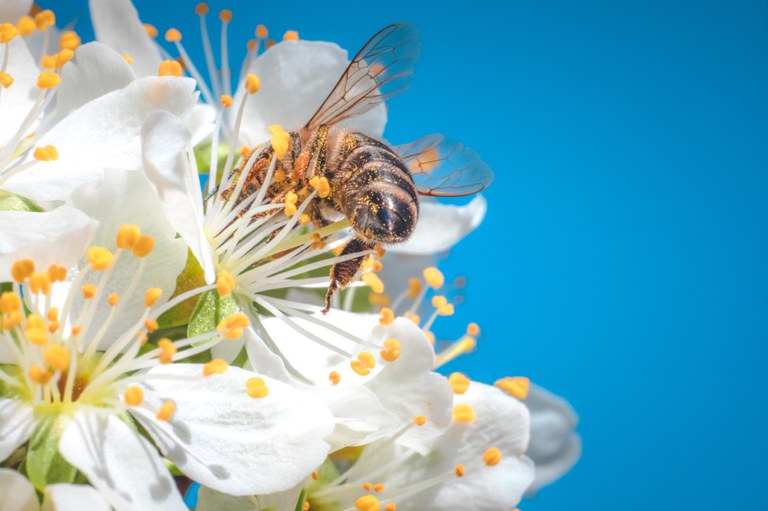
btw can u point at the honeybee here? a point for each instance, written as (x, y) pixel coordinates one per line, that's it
(374, 185)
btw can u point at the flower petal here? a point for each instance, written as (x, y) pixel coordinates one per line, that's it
(16, 492)
(56, 237)
(211, 500)
(165, 140)
(555, 447)
(73, 497)
(296, 78)
(116, 24)
(122, 465)
(12, 10)
(16, 425)
(18, 99)
(201, 123)
(230, 442)
(102, 134)
(96, 70)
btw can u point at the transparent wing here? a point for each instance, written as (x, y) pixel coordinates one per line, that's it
(382, 69)
(445, 168)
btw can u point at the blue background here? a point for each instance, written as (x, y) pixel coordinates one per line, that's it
(623, 260)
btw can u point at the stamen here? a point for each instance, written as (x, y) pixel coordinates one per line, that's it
(420, 420)
(378, 488)
(6, 80)
(45, 19)
(459, 470)
(69, 40)
(368, 503)
(232, 326)
(8, 33)
(256, 388)
(167, 351)
(473, 329)
(144, 246)
(374, 282)
(434, 277)
(387, 316)
(225, 283)
(57, 357)
(9, 302)
(492, 457)
(464, 413)
(128, 236)
(364, 363)
(334, 377)
(151, 30)
(262, 32)
(173, 35)
(291, 35)
(22, 269)
(215, 366)
(517, 386)
(201, 9)
(39, 282)
(48, 80)
(252, 85)
(169, 68)
(367, 486)
(89, 291)
(459, 383)
(39, 375)
(26, 26)
(322, 186)
(100, 258)
(226, 101)
(279, 140)
(391, 351)
(152, 295)
(47, 153)
(133, 395)
(166, 411)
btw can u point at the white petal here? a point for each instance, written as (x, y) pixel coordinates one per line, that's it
(441, 226)
(16, 492)
(102, 134)
(12, 10)
(16, 101)
(127, 198)
(56, 237)
(296, 77)
(230, 442)
(211, 500)
(73, 497)
(96, 70)
(555, 447)
(201, 123)
(116, 24)
(123, 466)
(165, 140)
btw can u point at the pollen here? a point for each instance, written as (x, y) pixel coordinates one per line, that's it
(334, 377)
(517, 386)
(167, 351)
(367, 486)
(279, 140)
(57, 273)
(57, 357)
(89, 291)
(26, 26)
(151, 325)
(8, 32)
(169, 68)
(144, 246)
(464, 413)
(492, 457)
(215, 366)
(201, 9)
(232, 326)
(291, 35)
(459, 470)
(226, 101)
(173, 35)
(76, 330)
(459, 383)
(152, 295)
(262, 32)
(439, 301)
(368, 503)
(374, 282)
(37, 336)
(127, 57)
(45, 20)
(434, 277)
(39, 282)
(100, 258)
(380, 299)
(48, 62)
(166, 411)
(420, 420)
(225, 283)
(47, 153)
(225, 15)
(6, 80)
(245, 152)
(391, 351)
(151, 30)
(133, 396)
(473, 329)
(290, 209)
(304, 219)
(386, 316)
(22, 269)
(315, 475)
(321, 185)
(10, 302)
(48, 80)
(69, 40)
(378, 488)
(364, 363)
(39, 375)
(390, 507)
(252, 84)
(256, 388)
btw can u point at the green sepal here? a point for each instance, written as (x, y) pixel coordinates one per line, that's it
(44, 464)
(203, 158)
(12, 202)
(210, 310)
(190, 278)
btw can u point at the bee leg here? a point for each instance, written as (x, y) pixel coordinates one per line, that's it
(343, 273)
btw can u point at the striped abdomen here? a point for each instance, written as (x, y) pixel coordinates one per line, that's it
(377, 191)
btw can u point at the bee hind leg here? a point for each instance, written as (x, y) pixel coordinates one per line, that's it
(344, 272)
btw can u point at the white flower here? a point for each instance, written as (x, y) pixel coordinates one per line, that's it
(12, 10)
(18, 494)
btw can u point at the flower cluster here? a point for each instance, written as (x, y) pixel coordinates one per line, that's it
(160, 339)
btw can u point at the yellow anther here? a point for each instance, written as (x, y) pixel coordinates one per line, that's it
(170, 68)
(76, 330)
(37, 336)
(492, 457)
(368, 503)
(48, 62)
(434, 277)
(225, 283)
(127, 236)
(415, 319)
(459, 470)
(215, 366)
(201, 9)
(39, 282)
(380, 299)
(47, 153)
(8, 32)
(304, 219)
(151, 325)
(464, 413)
(151, 30)
(439, 301)
(391, 351)
(89, 291)
(321, 185)
(378, 488)
(517, 386)
(144, 246)
(6, 80)
(367, 359)
(225, 15)
(39, 375)
(173, 35)
(100, 258)
(262, 32)
(9, 302)
(45, 19)
(305, 506)
(315, 475)
(367, 486)
(152, 295)
(390, 507)
(127, 57)
(26, 25)
(290, 209)
(386, 316)
(279, 140)
(334, 377)
(256, 388)
(22, 269)
(63, 57)
(232, 326)
(69, 40)
(57, 357)
(12, 320)
(34, 322)
(291, 35)
(133, 395)
(459, 383)
(446, 310)
(360, 368)
(380, 251)
(245, 152)
(167, 351)
(374, 282)
(53, 326)
(473, 329)
(280, 176)
(52, 314)
(252, 83)
(291, 197)
(226, 101)
(113, 299)
(270, 43)
(420, 420)
(251, 44)
(166, 411)
(57, 273)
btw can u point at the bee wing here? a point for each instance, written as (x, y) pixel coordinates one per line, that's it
(445, 168)
(382, 69)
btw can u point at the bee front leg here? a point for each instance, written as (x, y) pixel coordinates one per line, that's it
(343, 273)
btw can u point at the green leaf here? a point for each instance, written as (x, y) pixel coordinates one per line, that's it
(190, 278)
(13, 202)
(210, 310)
(44, 464)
